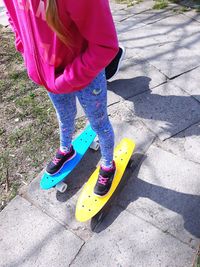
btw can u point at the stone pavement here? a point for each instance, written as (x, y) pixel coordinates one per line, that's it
(3, 17)
(155, 218)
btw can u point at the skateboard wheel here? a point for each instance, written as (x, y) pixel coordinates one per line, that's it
(94, 145)
(61, 187)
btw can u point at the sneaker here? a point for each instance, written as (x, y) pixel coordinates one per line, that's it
(112, 69)
(104, 181)
(60, 159)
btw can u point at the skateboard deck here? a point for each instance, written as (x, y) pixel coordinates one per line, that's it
(81, 145)
(89, 204)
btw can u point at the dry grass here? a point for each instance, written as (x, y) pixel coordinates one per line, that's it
(28, 130)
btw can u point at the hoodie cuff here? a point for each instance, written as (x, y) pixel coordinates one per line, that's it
(62, 85)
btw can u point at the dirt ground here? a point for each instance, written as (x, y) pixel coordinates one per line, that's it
(29, 133)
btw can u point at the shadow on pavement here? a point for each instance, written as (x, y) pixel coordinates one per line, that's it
(163, 114)
(167, 198)
(137, 158)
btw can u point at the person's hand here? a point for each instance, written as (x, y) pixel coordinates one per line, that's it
(60, 83)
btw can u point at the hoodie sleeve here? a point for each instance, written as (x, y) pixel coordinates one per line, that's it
(94, 20)
(18, 43)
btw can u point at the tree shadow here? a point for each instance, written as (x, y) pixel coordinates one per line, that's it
(167, 198)
(167, 113)
(170, 43)
(127, 88)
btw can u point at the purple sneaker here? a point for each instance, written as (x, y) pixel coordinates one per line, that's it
(59, 161)
(112, 69)
(104, 181)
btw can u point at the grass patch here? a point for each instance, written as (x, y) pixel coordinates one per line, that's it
(160, 4)
(184, 9)
(197, 260)
(129, 3)
(29, 134)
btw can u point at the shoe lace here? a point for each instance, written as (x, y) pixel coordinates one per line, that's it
(102, 180)
(56, 161)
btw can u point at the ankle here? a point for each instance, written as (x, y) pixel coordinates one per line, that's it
(64, 149)
(109, 167)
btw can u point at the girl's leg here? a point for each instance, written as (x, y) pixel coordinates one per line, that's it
(94, 102)
(65, 106)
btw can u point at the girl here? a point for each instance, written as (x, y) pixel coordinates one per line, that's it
(66, 45)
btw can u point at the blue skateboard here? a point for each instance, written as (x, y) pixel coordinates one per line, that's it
(81, 145)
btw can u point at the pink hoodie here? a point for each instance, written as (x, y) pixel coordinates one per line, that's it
(48, 60)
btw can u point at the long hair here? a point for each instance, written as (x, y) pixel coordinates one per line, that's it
(55, 24)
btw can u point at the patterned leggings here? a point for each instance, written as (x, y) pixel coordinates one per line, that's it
(93, 99)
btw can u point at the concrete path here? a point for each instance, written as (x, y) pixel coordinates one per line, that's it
(155, 218)
(3, 16)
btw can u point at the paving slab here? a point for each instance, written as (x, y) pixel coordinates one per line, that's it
(135, 76)
(29, 238)
(120, 15)
(184, 144)
(136, 40)
(148, 17)
(171, 59)
(166, 110)
(166, 44)
(128, 25)
(125, 240)
(176, 28)
(189, 35)
(120, 12)
(62, 206)
(3, 16)
(141, 7)
(128, 20)
(193, 43)
(134, 130)
(164, 191)
(80, 111)
(131, 10)
(193, 14)
(166, 27)
(190, 83)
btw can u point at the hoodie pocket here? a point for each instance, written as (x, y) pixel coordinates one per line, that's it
(48, 74)
(31, 67)
(41, 73)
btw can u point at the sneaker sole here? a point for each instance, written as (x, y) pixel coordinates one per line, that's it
(62, 165)
(119, 65)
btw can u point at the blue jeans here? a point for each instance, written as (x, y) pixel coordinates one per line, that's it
(93, 99)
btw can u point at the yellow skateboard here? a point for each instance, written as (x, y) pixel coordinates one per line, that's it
(89, 204)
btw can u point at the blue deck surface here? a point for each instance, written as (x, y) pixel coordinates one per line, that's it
(81, 145)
